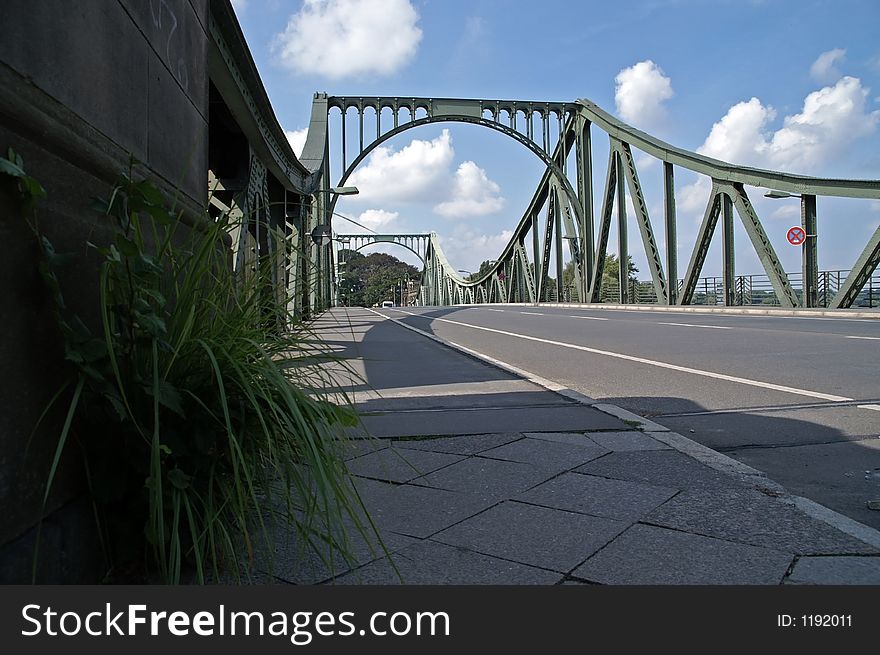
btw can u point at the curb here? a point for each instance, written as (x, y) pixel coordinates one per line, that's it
(702, 309)
(703, 454)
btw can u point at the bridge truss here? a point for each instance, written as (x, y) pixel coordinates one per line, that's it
(565, 214)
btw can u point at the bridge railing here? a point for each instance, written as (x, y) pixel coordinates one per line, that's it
(750, 290)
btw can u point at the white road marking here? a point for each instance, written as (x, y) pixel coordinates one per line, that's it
(711, 327)
(871, 338)
(651, 362)
(876, 408)
(533, 313)
(494, 310)
(591, 318)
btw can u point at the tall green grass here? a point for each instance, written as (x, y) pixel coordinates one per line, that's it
(198, 404)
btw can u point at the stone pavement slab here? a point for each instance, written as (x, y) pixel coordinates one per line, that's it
(846, 569)
(421, 511)
(400, 465)
(668, 468)
(429, 562)
(539, 536)
(569, 416)
(467, 444)
(748, 516)
(627, 441)
(588, 494)
(487, 477)
(648, 555)
(547, 454)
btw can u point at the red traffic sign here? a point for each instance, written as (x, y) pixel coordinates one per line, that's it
(796, 235)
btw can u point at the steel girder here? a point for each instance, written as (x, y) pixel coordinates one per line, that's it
(864, 267)
(568, 209)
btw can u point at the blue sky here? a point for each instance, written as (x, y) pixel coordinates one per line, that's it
(778, 84)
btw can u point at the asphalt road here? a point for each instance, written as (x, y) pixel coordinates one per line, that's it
(797, 398)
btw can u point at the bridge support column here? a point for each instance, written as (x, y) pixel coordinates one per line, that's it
(729, 255)
(809, 253)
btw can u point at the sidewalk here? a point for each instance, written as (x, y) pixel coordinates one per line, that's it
(477, 476)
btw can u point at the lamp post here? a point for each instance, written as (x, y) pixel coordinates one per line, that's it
(809, 253)
(322, 235)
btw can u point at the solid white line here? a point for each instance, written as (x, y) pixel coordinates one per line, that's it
(711, 327)
(876, 408)
(871, 338)
(651, 362)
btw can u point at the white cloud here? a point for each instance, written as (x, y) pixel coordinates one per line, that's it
(640, 92)
(824, 69)
(346, 38)
(466, 248)
(473, 194)
(646, 162)
(832, 118)
(297, 139)
(739, 136)
(693, 198)
(789, 210)
(377, 220)
(239, 5)
(413, 173)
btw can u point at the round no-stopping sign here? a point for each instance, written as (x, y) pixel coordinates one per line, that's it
(796, 235)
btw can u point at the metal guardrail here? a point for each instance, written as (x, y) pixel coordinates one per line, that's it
(750, 290)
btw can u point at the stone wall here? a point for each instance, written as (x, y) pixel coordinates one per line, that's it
(84, 86)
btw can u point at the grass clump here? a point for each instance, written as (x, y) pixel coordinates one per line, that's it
(200, 412)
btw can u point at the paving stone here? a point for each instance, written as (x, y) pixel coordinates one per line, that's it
(576, 438)
(432, 563)
(421, 511)
(482, 476)
(469, 444)
(400, 465)
(842, 570)
(588, 494)
(298, 562)
(539, 536)
(744, 514)
(668, 468)
(352, 448)
(547, 454)
(562, 418)
(627, 441)
(648, 555)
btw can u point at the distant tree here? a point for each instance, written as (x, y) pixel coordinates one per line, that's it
(370, 279)
(485, 266)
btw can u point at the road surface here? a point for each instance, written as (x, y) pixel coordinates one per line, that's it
(797, 398)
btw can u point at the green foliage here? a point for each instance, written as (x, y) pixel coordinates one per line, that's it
(368, 280)
(200, 428)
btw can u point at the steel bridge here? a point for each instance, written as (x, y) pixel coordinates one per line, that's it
(565, 213)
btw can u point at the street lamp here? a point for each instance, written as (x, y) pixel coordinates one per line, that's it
(809, 253)
(341, 190)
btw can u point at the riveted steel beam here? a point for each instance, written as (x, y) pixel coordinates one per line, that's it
(622, 243)
(671, 238)
(584, 158)
(701, 248)
(761, 243)
(809, 254)
(729, 264)
(864, 267)
(655, 266)
(604, 227)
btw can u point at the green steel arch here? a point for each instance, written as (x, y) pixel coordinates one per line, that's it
(521, 272)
